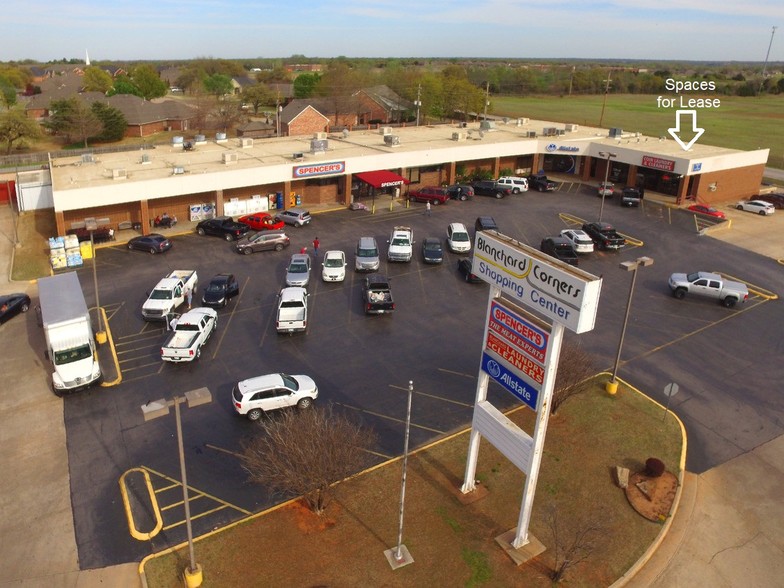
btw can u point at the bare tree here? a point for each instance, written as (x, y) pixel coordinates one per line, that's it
(306, 452)
(575, 366)
(573, 541)
(227, 113)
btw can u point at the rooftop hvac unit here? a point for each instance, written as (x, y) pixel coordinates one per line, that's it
(178, 170)
(346, 133)
(572, 128)
(246, 142)
(319, 136)
(391, 139)
(201, 139)
(177, 140)
(458, 136)
(549, 131)
(486, 125)
(145, 158)
(319, 145)
(88, 158)
(523, 121)
(119, 174)
(561, 131)
(230, 158)
(531, 134)
(298, 155)
(219, 137)
(385, 131)
(616, 133)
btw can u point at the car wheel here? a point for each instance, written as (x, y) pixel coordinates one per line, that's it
(152, 251)
(679, 293)
(25, 307)
(201, 231)
(516, 191)
(499, 195)
(254, 414)
(228, 237)
(279, 247)
(463, 197)
(304, 403)
(130, 247)
(729, 301)
(198, 353)
(435, 202)
(247, 251)
(762, 212)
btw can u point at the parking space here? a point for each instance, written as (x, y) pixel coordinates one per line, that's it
(363, 364)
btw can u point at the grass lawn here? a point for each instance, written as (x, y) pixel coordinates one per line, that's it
(31, 259)
(454, 544)
(739, 123)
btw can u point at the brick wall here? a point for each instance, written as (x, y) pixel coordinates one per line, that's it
(731, 185)
(307, 123)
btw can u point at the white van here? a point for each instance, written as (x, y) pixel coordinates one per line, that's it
(514, 183)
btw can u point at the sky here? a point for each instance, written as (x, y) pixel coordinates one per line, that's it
(693, 30)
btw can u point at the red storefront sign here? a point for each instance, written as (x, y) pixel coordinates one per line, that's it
(658, 163)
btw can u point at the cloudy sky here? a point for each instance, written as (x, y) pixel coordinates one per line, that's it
(702, 30)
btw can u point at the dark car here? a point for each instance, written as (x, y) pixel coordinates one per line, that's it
(485, 223)
(541, 183)
(13, 304)
(432, 250)
(777, 200)
(152, 243)
(490, 188)
(604, 235)
(222, 226)
(630, 196)
(460, 192)
(560, 248)
(262, 241)
(220, 289)
(464, 267)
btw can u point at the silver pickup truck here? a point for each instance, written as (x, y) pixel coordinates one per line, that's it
(191, 332)
(710, 285)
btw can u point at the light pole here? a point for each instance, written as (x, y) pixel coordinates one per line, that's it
(159, 408)
(609, 156)
(91, 225)
(629, 266)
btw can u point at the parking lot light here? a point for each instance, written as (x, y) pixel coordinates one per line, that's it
(629, 266)
(158, 408)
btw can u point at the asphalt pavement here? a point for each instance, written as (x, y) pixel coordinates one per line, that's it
(725, 532)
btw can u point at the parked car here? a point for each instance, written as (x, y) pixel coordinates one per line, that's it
(220, 290)
(579, 239)
(560, 248)
(464, 267)
(222, 226)
(292, 310)
(13, 304)
(298, 271)
(758, 206)
(152, 243)
(777, 200)
(432, 251)
(261, 221)
(630, 196)
(255, 396)
(485, 223)
(299, 217)
(333, 267)
(604, 235)
(706, 210)
(435, 195)
(366, 257)
(262, 241)
(541, 183)
(460, 192)
(490, 188)
(710, 285)
(457, 238)
(514, 183)
(605, 189)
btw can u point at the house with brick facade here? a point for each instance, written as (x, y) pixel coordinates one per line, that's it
(300, 117)
(379, 104)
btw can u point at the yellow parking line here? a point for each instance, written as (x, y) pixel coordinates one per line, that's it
(135, 533)
(210, 496)
(753, 289)
(118, 379)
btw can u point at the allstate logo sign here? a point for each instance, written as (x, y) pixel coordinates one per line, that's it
(551, 147)
(493, 369)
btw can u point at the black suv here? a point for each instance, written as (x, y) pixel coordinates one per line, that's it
(541, 183)
(560, 248)
(777, 200)
(485, 223)
(630, 196)
(460, 192)
(490, 188)
(222, 226)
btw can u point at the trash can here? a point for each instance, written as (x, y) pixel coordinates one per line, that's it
(279, 200)
(298, 199)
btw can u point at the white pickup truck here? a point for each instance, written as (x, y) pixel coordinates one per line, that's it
(727, 292)
(190, 333)
(168, 294)
(292, 310)
(401, 244)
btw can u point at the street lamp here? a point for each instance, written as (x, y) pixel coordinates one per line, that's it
(608, 155)
(158, 408)
(629, 266)
(418, 105)
(91, 225)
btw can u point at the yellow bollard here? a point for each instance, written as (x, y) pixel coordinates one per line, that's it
(194, 579)
(611, 388)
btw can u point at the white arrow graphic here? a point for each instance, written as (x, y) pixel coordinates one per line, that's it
(677, 129)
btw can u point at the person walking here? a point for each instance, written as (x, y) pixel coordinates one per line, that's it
(189, 296)
(316, 244)
(427, 208)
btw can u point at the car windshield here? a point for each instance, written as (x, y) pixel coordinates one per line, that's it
(432, 246)
(333, 262)
(72, 355)
(292, 304)
(371, 252)
(213, 287)
(399, 241)
(187, 327)
(460, 237)
(289, 382)
(298, 268)
(161, 295)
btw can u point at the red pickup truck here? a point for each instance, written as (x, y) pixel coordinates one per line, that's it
(432, 194)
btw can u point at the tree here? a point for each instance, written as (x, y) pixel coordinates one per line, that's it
(58, 122)
(257, 96)
(573, 544)
(97, 80)
(305, 85)
(73, 118)
(124, 85)
(15, 126)
(7, 93)
(113, 121)
(227, 113)
(149, 82)
(218, 85)
(306, 452)
(575, 366)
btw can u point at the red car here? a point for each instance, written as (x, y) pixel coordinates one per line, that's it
(432, 194)
(261, 221)
(709, 210)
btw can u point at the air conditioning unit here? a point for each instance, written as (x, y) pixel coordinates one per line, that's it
(88, 158)
(385, 131)
(572, 128)
(119, 174)
(531, 134)
(346, 133)
(549, 131)
(246, 142)
(319, 145)
(523, 121)
(319, 136)
(486, 125)
(458, 136)
(298, 155)
(178, 170)
(391, 139)
(616, 133)
(146, 159)
(230, 158)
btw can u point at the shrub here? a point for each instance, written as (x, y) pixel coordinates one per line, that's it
(654, 467)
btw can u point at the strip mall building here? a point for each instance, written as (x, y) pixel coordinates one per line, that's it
(234, 176)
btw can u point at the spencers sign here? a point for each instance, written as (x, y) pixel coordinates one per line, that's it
(558, 291)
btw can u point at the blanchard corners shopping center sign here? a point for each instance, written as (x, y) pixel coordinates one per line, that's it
(556, 290)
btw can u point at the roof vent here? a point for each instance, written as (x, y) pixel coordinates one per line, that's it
(230, 158)
(385, 131)
(246, 142)
(119, 174)
(178, 170)
(88, 158)
(392, 140)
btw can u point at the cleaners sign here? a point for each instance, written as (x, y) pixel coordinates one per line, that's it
(558, 291)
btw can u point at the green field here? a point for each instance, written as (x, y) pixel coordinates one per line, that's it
(739, 123)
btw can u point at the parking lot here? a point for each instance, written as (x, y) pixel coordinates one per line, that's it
(722, 359)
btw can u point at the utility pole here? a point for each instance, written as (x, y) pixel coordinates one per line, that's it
(487, 99)
(765, 67)
(571, 79)
(606, 91)
(418, 102)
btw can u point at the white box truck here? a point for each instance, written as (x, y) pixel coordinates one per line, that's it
(70, 344)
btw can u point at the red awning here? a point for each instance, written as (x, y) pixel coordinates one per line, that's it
(382, 179)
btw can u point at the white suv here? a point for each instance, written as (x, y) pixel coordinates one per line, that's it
(262, 394)
(514, 183)
(458, 239)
